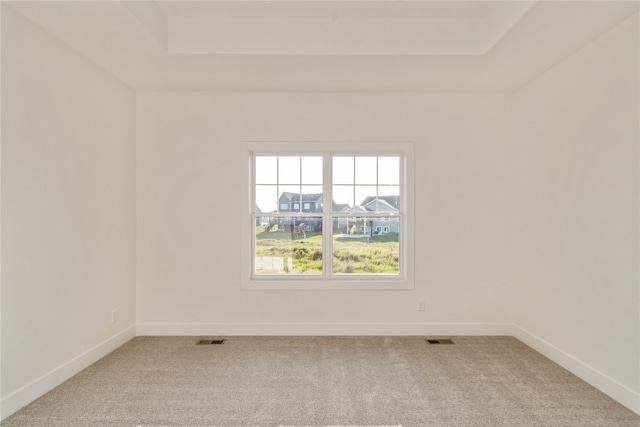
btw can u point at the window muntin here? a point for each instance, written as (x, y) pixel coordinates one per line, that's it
(365, 191)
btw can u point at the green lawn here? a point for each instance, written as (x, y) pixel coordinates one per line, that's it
(377, 254)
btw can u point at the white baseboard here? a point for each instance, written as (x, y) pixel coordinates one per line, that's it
(321, 329)
(602, 382)
(27, 394)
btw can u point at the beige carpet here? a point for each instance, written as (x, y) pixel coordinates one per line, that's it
(324, 381)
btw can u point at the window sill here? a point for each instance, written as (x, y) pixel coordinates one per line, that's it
(315, 284)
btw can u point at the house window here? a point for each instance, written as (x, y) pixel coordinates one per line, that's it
(298, 241)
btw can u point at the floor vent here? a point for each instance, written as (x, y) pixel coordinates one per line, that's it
(209, 342)
(439, 341)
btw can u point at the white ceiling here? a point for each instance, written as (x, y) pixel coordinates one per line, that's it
(339, 28)
(326, 45)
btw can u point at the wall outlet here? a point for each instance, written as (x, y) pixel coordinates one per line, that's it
(420, 305)
(114, 315)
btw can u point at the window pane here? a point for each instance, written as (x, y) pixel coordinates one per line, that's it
(388, 190)
(266, 198)
(266, 170)
(312, 170)
(343, 197)
(366, 170)
(366, 245)
(343, 170)
(289, 170)
(389, 170)
(288, 245)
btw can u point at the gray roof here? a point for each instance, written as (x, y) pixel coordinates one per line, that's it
(383, 206)
(314, 197)
(392, 200)
(357, 209)
(340, 207)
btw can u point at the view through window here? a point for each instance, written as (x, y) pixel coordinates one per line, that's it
(297, 233)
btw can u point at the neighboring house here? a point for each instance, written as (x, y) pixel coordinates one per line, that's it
(259, 220)
(290, 202)
(310, 203)
(371, 225)
(347, 223)
(393, 201)
(379, 206)
(383, 225)
(340, 207)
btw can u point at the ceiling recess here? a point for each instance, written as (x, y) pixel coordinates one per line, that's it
(364, 45)
(339, 28)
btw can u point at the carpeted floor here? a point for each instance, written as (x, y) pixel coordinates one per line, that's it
(320, 381)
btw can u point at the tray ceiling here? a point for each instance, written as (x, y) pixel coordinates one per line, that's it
(326, 45)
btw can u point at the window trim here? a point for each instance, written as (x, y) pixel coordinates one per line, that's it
(405, 280)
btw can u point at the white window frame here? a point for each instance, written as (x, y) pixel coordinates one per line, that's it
(403, 280)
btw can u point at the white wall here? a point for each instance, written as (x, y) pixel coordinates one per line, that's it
(68, 211)
(189, 195)
(575, 161)
(526, 212)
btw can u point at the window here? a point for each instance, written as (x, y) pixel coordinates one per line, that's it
(316, 216)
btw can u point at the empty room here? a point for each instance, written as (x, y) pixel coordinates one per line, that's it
(320, 213)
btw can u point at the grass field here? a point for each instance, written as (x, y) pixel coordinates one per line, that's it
(377, 254)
